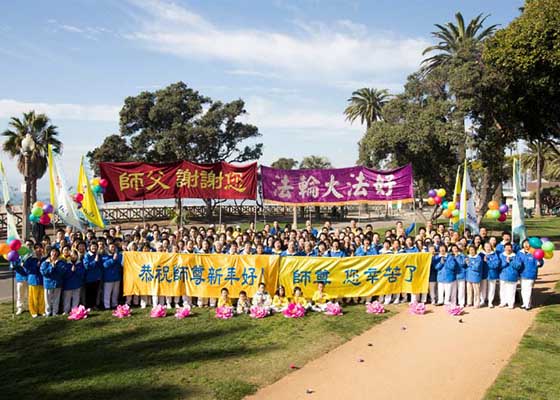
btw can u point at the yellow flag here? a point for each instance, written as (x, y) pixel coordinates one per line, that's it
(457, 190)
(89, 204)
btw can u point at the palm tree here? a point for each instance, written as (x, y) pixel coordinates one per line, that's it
(366, 104)
(43, 133)
(315, 162)
(453, 37)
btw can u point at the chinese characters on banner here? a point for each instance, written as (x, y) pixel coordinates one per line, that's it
(336, 186)
(168, 274)
(144, 181)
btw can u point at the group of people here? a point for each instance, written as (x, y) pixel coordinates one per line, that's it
(87, 268)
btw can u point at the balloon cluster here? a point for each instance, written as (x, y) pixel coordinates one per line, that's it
(13, 249)
(497, 211)
(78, 198)
(99, 185)
(450, 209)
(436, 196)
(41, 213)
(541, 248)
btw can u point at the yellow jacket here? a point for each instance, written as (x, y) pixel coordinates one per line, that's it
(222, 302)
(280, 302)
(320, 297)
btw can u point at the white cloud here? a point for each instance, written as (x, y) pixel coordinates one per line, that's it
(81, 112)
(71, 28)
(316, 51)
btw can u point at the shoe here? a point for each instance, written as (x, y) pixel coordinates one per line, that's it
(502, 305)
(19, 311)
(34, 316)
(490, 305)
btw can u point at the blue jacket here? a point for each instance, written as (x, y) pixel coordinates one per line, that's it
(338, 253)
(286, 254)
(461, 267)
(510, 269)
(74, 280)
(53, 275)
(491, 267)
(529, 265)
(474, 269)
(500, 248)
(360, 251)
(411, 250)
(112, 269)
(447, 269)
(31, 268)
(94, 270)
(433, 270)
(20, 276)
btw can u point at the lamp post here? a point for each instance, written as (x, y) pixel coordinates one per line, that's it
(27, 147)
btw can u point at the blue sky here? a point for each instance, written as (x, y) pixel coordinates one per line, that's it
(295, 63)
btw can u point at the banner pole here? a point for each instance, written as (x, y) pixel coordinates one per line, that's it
(220, 215)
(143, 214)
(255, 215)
(294, 222)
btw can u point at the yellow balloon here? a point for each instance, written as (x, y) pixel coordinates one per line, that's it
(441, 193)
(451, 206)
(548, 255)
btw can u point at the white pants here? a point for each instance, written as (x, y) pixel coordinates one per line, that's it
(483, 291)
(132, 300)
(52, 301)
(415, 297)
(187, 301)
(507, 293)
(171, 299)
(158, 300)
(21, 295)
(461, 291)
(447, 293)
(144, 301)
(386, 299)
(71, 299)
(526, 291)
(433, 288)
(111, 294)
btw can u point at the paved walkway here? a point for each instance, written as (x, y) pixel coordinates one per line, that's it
(433, 356)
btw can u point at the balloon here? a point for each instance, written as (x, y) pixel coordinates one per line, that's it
(538, 254)
(535, 242)
(15, 245)
(437, 200)
(103, 190)
(95, 181)
(493, 205)
(431, 201)
(37, 211)
(458, 205)
(432, 193)
(10, 238)
(4, 248)
(13, 256)
(547, 246)
(103, 183)
(441, 192)
(495, 214)
(48, 208)
(445, 204)
(455, 220)
(455, 213)
(502, 217)
(79, 205)
(79, 197)
(33, 218)
(545, 239)
(451, 206)
(446, 213)
(531, 250)
(503, 208)
(548, 255)
(39, 204)
(45, 219)
(24, 250)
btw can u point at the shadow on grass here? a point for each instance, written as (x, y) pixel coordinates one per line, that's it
(46, 361)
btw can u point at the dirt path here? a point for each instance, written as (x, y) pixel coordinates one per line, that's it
(433, 356)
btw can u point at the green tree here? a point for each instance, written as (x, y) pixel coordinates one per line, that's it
(551, 198)
(284, 163)
(315, 162)
(44, 133)
(542, 159)
(113, 149)
(177, 123)
(367, 105)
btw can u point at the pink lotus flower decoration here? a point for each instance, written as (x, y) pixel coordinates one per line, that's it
(79, 312)
(258, 312)
(122, 311)
(182, 313)
(454, 310)
(333, 309)
(294, 311)
(375, 308)
(417, 308)
(158, 311)
(224, 312)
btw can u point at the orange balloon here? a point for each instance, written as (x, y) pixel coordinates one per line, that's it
(431, 201)
(447, 214)
(494, 205)
(4, 248)
(531, 250)
(39, 204)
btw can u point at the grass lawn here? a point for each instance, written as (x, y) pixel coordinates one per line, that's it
(142, 358)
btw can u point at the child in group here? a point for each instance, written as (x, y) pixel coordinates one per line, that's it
(320, 298)
(262, 298)
(491, 263)
(224, 300)
(300, 299)
(460, 274)
(473, 277)
(446, 278)
(433, 274)
(72, 282)
(53, 270)
(280, 301)
(21, 288)
(529, 271)
(112, 275)
(386, 249)
(93, 265)
(509, 275)
(243, 304)
(31, 269)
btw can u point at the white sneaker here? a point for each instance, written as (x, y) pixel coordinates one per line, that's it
(19, 311)
(34, 316)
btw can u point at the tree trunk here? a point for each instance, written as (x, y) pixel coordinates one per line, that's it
(209, 209)
(179, 205)
(538, 208)
(32, 190)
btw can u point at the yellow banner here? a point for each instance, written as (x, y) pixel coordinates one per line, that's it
(357, 276)
(200, 275)
(203, 275)
(89, 204)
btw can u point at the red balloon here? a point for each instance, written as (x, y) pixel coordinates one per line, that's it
(45, 219)
(103, 183)
(437, 199)
(502, 217)
(15, 245)
(79, 197)
(538, 254)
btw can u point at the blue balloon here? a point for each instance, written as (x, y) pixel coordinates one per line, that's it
(535, 242)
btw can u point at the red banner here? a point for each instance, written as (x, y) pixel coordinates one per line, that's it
(130, 181)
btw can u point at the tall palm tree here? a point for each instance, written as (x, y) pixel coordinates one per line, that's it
(366, 104)
(453, 37)
(40, 128)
